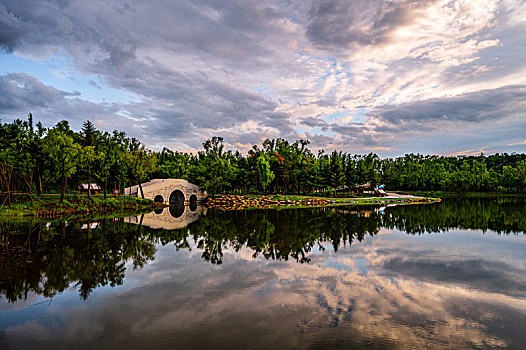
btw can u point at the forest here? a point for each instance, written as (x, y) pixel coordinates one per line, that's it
(36, 160)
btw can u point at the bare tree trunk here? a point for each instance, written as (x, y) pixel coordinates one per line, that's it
(8, 182)
(140, 187)
(62, 188)
(105, 187)
(40, 191)
(89, 185)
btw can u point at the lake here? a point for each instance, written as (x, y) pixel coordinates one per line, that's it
(450, 275)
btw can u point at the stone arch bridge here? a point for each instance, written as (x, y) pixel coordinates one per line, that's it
(168, 191)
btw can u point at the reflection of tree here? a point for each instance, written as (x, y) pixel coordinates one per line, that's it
(499, 214)
(278, 234)
(47, 260)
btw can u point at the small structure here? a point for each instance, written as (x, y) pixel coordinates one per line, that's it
(364, 188)
(380, 191)
(93, 188)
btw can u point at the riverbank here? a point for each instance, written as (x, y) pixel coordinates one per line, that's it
(445, 194)
(237, 202)
(49, 206)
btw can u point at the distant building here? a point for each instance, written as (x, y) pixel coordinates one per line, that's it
(93, 188)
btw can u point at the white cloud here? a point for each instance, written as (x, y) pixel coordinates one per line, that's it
(258, 69)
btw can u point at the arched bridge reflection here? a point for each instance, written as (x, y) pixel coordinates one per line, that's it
(173, 217)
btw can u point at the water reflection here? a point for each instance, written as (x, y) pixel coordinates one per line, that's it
(176, 216)
(255, 278)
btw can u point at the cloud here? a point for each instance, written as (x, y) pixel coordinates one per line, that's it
(21, 90)
(313, 122)
(9, 35)
(350, 72)
(183, 74)
(21, 93)
(518, 143)
(473, 107)
(339, 23)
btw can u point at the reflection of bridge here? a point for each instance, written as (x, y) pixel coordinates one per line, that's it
(168, 191)
(174, 217)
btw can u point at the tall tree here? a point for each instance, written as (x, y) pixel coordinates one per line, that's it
(141, 163)
(265, 173)
(62, 152)
(88, 133)
(89, 156)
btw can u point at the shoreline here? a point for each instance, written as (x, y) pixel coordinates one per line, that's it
(50, 208)
(73, 206)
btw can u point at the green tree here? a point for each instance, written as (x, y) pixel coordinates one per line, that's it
(89, 156)
(140, 162)
(337, 175)
(266, 176)
(62, 152)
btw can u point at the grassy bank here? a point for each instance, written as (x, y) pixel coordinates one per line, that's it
(445, 194)
(49, 206)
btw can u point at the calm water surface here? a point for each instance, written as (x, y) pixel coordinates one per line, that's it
(445, 276)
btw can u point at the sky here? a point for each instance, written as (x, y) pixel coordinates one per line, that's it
(389, 77)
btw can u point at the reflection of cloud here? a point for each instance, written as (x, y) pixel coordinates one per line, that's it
(180, 300)
(31, 299)
(475, 273)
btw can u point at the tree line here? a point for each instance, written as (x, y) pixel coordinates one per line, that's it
(37, 160)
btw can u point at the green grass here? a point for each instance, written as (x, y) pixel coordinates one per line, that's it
(445, 194)
(74, 205)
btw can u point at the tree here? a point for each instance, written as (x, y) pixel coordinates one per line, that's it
(89, 156)
(337, 175)
(140, 162)
(88, 133)
(62, 152)
(266, 176)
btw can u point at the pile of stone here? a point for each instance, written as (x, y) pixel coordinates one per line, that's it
(235, 202)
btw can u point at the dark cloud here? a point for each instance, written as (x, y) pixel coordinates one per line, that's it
(181, 112)
(313, 122)
(479, 106)
(22, 91)
(101, 33)
(9, 34)
(344, 24)
(205, 42)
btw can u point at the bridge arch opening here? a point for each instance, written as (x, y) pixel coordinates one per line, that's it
(177, 197)
(158, 199)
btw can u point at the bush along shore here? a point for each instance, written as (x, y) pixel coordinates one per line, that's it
(237, 202)
(50, 207)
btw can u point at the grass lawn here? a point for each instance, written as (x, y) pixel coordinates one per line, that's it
(21, 205)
